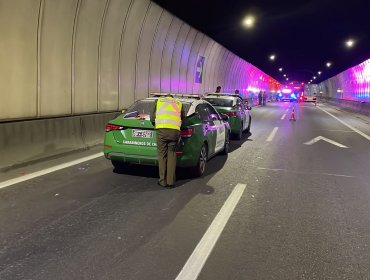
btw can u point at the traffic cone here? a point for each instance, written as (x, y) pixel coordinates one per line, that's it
(292, 118)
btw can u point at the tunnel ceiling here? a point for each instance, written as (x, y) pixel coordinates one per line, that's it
(303, 35)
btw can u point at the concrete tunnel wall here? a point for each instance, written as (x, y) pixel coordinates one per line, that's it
(68, 66)
(71, 57)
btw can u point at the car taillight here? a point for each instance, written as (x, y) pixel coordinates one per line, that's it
(231, 114)
(111, 127)
(187, 132)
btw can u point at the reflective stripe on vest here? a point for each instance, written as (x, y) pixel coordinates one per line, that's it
(168, 113)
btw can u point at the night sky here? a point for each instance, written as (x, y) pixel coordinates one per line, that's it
(304, 35)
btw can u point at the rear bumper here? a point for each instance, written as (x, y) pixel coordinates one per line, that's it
(183, 160)
(131, 158)
(146, 154)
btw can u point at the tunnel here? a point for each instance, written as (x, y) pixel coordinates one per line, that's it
(70, 67)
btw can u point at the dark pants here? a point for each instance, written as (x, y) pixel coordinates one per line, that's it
(166, 146)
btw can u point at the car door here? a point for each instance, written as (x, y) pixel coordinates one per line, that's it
(208, 130)
(246, 114)
(217, 127)
(242, 114)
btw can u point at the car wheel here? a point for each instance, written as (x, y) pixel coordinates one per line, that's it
(119, 165)
(201, 165)
(249, 124)
(225, 151)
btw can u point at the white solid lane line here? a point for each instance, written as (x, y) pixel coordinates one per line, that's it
(346, 124)
(272, 134)
(283, 117)
(303, 172)
(200, 254)
(48, 170)
(337, 130)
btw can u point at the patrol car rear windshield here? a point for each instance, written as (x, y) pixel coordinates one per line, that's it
(222, 102)
(146, 106)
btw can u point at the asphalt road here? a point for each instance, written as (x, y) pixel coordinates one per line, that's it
(279, 206)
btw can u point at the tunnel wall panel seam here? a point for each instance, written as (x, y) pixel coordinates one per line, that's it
(99, 52)
(179, 52)
(152, 48)
(120, 53)
(39, 27)
(163, 52)
(138, 47)
(181, 56)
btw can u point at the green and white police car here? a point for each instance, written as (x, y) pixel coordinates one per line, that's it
(232, 105)
(130, 138)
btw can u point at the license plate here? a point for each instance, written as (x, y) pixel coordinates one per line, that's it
(142, 133)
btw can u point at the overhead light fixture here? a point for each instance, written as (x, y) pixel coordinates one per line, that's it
(281, 69)
(314, 77)
(284, 75)
(350, 43)
(272, 57)
(328, 64)
(249, 21)
(319, 72)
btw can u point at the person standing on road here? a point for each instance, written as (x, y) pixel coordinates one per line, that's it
(239, 94)
(264, 96)
(218, 89)
(167, 115)
(260, 98)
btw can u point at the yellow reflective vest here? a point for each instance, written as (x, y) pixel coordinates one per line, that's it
(168, 113)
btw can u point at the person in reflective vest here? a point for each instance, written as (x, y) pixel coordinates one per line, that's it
(167, 116)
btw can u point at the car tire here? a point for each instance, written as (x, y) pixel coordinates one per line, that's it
(249, 125)
(119, 165)
(201, 164)
(225, 151)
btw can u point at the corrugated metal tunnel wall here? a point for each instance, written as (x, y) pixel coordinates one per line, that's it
(352, 84)
(70, 57)
(348, 90)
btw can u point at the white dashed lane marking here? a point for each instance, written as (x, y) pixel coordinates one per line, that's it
(205, 246)
(272, 134)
